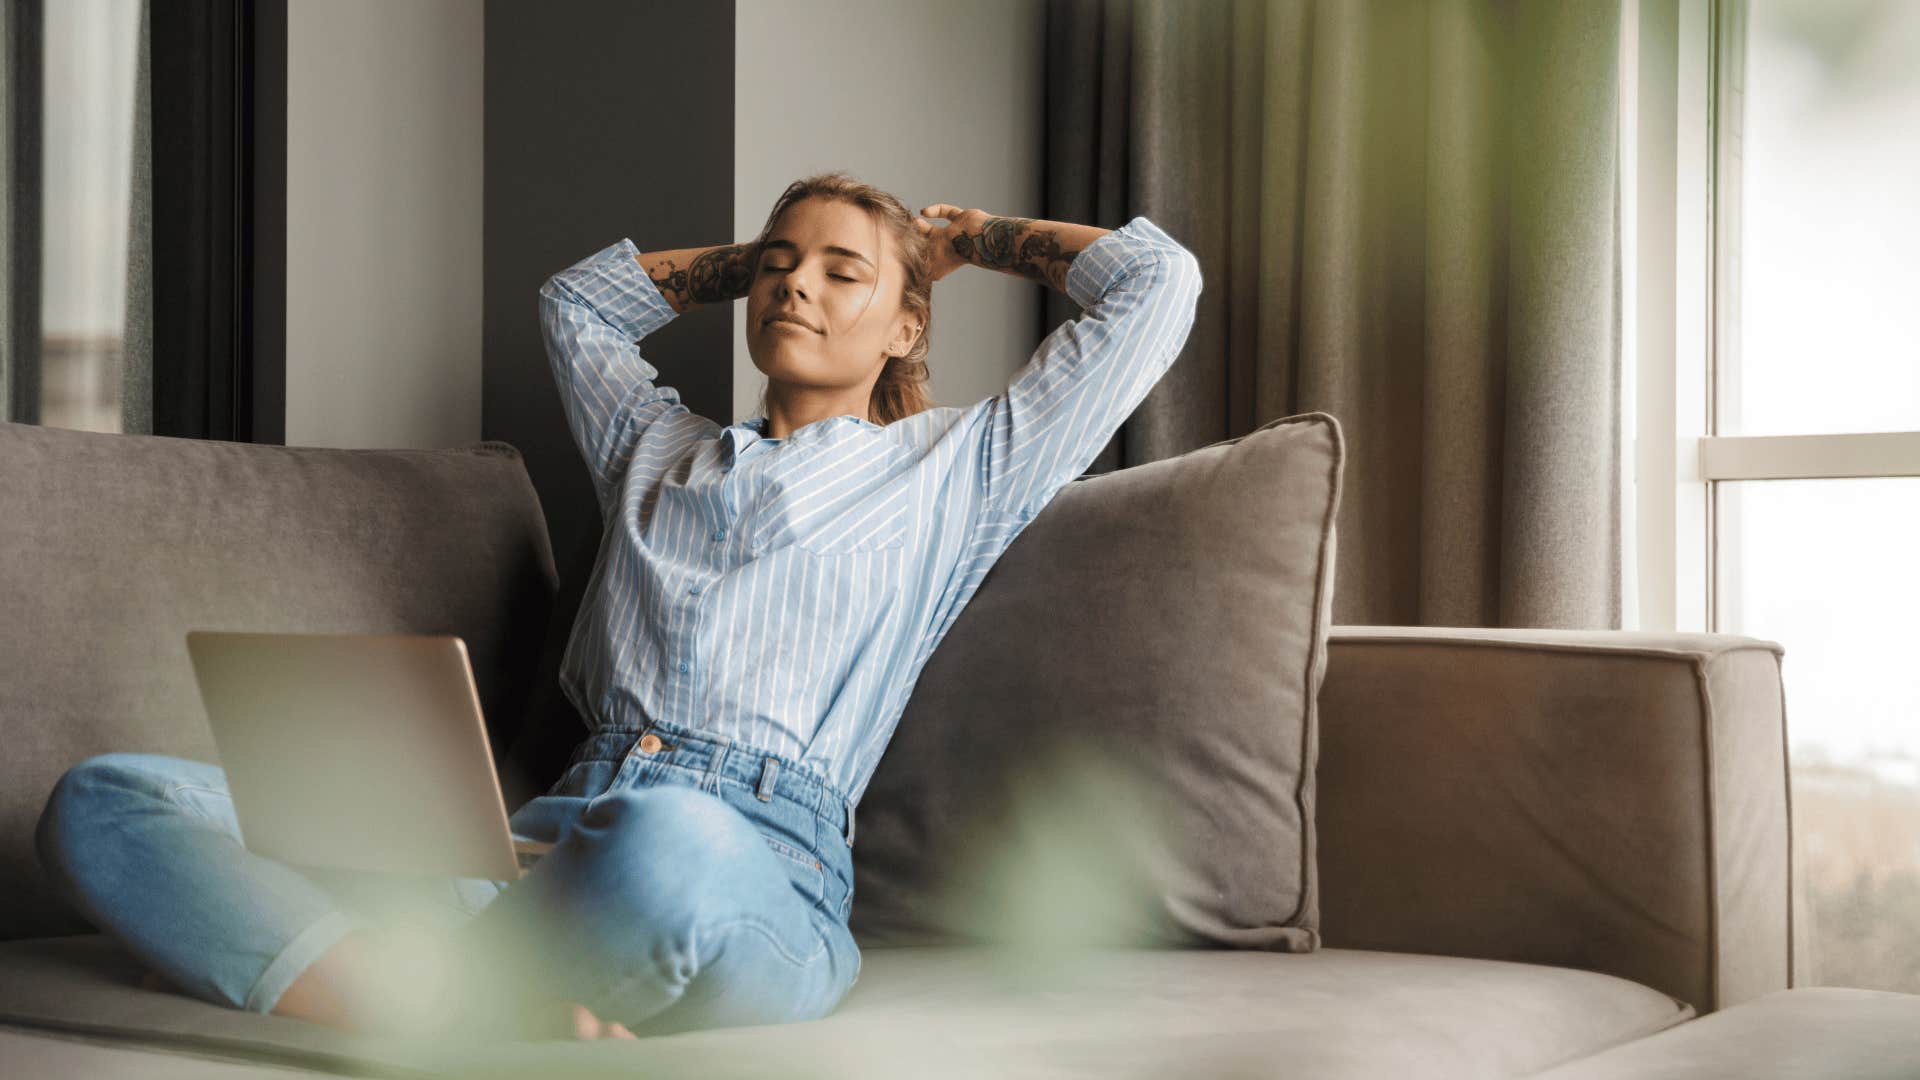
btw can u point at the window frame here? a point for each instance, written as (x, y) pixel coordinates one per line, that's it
(1682, 86)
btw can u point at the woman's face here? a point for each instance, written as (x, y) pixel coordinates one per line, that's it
(820, 264)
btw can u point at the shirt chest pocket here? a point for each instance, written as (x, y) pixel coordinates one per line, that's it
(835, 500)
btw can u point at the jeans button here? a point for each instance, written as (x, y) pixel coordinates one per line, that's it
(649, 743)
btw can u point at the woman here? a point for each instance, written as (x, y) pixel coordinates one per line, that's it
(765, 595)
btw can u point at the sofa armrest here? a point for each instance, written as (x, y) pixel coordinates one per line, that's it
(1609, 800)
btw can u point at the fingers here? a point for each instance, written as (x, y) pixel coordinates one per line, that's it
(941, 210)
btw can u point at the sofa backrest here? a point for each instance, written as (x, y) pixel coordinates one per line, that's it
(113, 546)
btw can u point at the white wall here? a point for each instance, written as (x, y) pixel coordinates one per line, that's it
(383, 222)
(931, 100)
(384, 118)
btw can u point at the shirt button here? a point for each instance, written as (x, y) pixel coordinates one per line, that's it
(695, 590)
(683, 665)
(649, 743)
(719, 534)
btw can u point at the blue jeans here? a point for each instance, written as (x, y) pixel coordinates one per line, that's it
(701, 884)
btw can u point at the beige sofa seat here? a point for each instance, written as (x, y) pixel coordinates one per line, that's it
(962, 1011)
(1806, 1034)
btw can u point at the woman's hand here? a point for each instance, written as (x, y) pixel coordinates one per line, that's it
(1041, 251)
(961, 224)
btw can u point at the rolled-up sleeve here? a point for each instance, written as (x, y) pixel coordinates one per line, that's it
(593, 315)
(1139, 289)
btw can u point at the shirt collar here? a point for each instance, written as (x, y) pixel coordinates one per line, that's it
(737, 437)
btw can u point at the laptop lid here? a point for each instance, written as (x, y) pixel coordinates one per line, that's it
(356, 751)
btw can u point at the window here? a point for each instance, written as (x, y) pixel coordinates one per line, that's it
(1817, 338)
(142, 206)
(1777, 356)
(89, 378)
(1821, 334)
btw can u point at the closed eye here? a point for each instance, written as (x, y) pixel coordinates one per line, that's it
(784, 269)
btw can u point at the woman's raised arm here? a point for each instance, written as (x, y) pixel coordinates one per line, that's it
(594, 314)
(689, 277)
(1031, 248)
(1138, 289)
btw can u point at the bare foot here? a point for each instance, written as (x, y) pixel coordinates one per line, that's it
(554, 1020)
(588, 1026)
(380, 981)
(392, 983)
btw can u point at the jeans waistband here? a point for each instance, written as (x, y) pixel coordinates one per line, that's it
(767, 773)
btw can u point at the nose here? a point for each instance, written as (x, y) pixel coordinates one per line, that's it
(791, 283)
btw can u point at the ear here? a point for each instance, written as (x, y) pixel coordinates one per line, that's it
(904, 338)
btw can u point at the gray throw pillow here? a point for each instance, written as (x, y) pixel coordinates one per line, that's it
(1115, 741)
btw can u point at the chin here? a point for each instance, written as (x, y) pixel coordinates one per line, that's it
(767, 354)
(773, 361)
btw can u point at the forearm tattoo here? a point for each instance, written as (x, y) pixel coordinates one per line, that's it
(998, 245)
(720, 273)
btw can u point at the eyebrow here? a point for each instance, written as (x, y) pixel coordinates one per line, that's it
(831, 250)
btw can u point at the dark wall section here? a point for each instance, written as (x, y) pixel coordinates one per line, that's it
(604, 119)
(218, 274)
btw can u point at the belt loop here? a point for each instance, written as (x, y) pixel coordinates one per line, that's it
(711, 782)
(848, 803)
(769, 770)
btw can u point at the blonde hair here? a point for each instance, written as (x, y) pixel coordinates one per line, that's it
(901, 390)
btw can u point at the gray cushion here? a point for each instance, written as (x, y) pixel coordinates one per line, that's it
(113, 546)
(971, 1012)
(1114, 742)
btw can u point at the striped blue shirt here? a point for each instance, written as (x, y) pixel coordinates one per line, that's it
(785, 593)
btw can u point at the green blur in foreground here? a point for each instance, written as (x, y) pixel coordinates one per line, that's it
(1049, 902)
(1073, 863)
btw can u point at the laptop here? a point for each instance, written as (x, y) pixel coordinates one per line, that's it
(358, 752)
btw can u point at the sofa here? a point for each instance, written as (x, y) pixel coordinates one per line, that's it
(1531, 849)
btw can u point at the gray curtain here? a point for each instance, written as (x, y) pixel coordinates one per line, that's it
(136, 371)
(7, 35)
(21, 36)
(1407, 216)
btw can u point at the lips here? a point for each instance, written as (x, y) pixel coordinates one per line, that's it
(787, 316)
